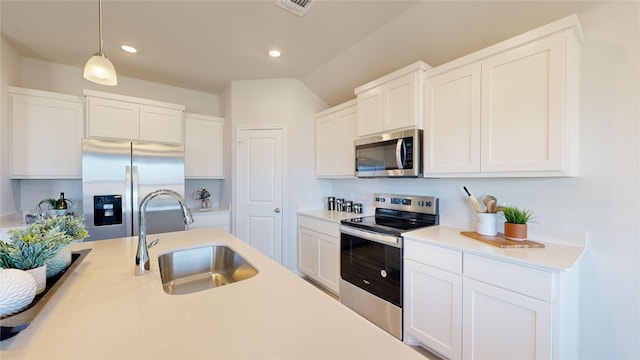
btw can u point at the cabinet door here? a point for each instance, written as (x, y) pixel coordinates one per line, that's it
(307, 244)
(452, 121)
(203, 148)
(433, 308)
(160, 124)
(46, 138)
(400, 104)
(329, 262)
(335, 151)
(209, 219)
(113, 119)
(326, 149)
(370, 112)
(502, 324)
(523, 107)
(345, 134)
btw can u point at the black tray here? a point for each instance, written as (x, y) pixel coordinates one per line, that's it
(11, 325)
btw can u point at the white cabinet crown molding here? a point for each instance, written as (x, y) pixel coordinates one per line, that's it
(46, 94)
(419, 65)
(570, 23)
(336, 108)
(131, 99)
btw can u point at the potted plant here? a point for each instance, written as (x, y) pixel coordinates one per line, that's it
(74, 227)
(29, 249)
(515, 226)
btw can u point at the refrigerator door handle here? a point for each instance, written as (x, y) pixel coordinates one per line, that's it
(128, 200)
(134, 199)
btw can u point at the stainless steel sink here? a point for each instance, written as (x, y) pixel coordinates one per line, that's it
(186, 271)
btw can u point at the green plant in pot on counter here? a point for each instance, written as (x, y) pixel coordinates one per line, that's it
(74, 227)
(30, 248)
(515, 226)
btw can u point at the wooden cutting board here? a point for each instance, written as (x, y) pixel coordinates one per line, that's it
(502, 242)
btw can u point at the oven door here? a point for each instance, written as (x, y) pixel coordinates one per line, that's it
(371, 277)
(373, 263)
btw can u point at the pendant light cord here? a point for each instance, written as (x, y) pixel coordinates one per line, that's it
(100, 24)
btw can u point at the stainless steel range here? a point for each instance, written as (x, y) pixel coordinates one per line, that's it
(371, 256)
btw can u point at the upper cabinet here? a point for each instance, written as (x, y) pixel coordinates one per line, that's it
(507, 110)
(203, 147)
(125, 117)
(335, 134)
(46, 134)
(391, 102)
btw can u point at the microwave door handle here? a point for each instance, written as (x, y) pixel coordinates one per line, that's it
(401, 153)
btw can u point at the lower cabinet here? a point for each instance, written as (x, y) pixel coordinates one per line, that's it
(465, 306)
(503, 324)
(319, 251)
(433, 308)
(210, 218)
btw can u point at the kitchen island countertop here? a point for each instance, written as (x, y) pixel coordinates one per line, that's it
(104, 311)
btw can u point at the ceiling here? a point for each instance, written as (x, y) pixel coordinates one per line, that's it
(203, 45)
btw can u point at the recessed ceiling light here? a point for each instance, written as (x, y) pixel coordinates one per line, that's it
(129, 49)
(274, 53)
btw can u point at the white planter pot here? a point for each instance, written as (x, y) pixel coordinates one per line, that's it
(59, 262)
(40, 276)
(17, 290)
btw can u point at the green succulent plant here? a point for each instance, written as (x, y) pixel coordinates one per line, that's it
(514, 215)
(31, 247)
(71, 225)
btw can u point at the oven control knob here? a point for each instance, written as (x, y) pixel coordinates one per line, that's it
(420, 203)
(383, 273)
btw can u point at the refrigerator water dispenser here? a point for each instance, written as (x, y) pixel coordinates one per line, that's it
(107, 210)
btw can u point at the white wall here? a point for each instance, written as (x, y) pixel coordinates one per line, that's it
(9, 74)
(283, 102)
(603, 201)
(42, 75)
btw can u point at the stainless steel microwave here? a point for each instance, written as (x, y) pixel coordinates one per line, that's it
(396, 154)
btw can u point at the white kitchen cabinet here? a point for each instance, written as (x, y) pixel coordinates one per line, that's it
(392, 102)
(466, 306)
(503, 324)
(319, 251)
(124, 117)
(507, 110)
(452, 121)
(210, 218)
(433, 298)
(203, 147)
(335, 133)
(46, 135)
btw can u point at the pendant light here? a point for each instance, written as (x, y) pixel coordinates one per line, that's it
(99, 69)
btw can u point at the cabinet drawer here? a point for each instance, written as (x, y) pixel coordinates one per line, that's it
(438, 257)
(521, 279)
(307, 222)
(328, 228)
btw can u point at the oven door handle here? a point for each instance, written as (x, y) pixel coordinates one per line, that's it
(368, 235)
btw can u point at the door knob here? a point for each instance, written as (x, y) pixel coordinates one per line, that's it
(277, 210)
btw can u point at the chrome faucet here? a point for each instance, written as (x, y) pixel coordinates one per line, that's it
(142, 255)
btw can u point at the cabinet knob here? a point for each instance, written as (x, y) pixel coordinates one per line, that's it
(277, 210)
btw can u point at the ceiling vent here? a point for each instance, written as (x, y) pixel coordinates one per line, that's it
(298, 7)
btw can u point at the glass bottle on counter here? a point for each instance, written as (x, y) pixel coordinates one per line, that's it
(61, 205)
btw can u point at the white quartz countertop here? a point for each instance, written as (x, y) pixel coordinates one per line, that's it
(554, 256)
(104, 311)
(334, 216)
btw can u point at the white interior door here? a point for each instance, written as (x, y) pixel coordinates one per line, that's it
(259, 189)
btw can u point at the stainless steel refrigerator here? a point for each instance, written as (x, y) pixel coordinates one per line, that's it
(116, 176)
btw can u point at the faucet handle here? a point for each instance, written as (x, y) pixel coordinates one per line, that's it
(154, 243)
